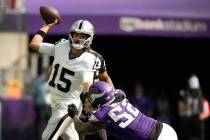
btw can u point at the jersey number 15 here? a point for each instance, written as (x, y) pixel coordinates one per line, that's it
(62, 78)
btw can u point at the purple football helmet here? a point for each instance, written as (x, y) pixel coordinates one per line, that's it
(101, 93)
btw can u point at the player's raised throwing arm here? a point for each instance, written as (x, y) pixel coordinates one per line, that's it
(39, 36)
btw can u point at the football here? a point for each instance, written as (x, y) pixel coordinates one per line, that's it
(49, 14)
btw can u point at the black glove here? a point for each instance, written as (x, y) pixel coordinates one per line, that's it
(72, 110)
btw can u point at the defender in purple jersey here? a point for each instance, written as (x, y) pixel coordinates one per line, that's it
(112, 110)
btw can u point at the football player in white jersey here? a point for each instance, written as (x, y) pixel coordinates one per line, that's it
(75, 67)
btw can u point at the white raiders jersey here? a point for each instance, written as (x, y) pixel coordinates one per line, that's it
(68, 74)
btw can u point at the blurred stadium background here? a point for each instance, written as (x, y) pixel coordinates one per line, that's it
(159, 43)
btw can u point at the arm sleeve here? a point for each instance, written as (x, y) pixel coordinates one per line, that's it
(47, 48)
(88, 76)
(103, 65)
(101, 114)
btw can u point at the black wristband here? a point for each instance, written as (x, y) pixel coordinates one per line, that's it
(41, 33)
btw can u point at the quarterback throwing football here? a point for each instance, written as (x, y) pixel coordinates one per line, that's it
(75, 67)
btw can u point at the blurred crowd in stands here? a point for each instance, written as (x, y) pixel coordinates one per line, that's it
(187, 113)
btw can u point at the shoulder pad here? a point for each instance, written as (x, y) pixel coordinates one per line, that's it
(95, 53)
(61, 42)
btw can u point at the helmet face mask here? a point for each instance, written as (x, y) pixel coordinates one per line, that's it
(79, 40)
(81, 27)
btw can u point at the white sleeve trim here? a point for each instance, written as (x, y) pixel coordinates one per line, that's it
(88, 76)
(47, 48)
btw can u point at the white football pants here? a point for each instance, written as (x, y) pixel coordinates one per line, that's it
(60, 124)
(167, 133)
